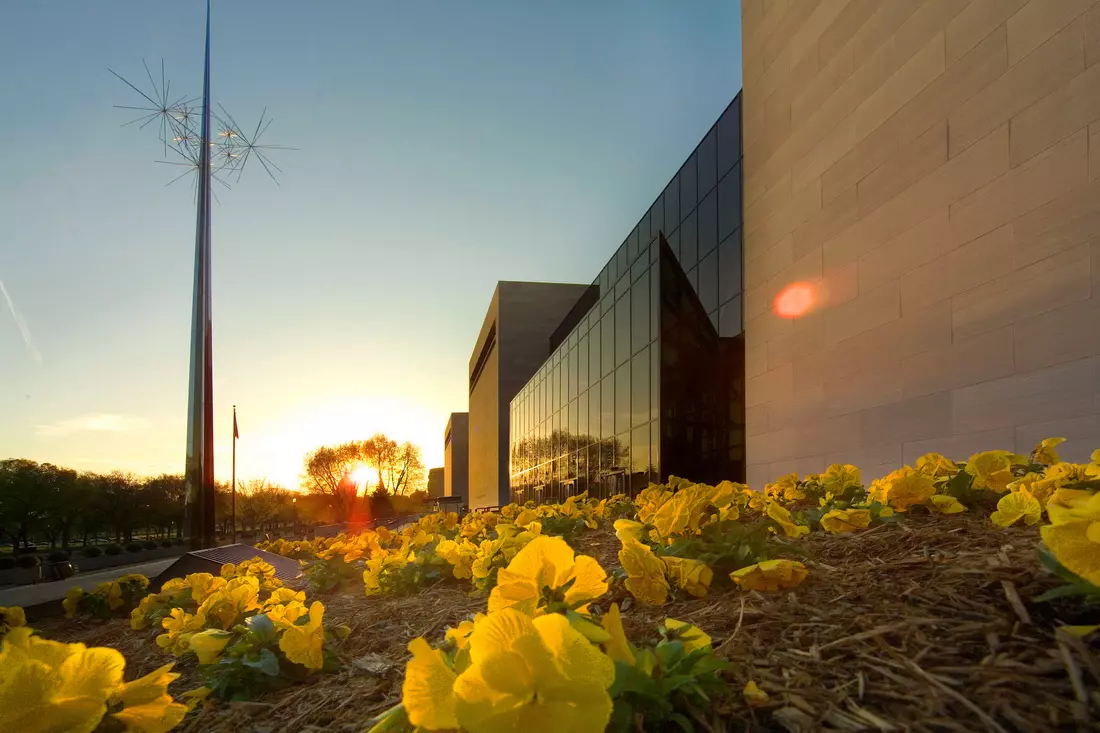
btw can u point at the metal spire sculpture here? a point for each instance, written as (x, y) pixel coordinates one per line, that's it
(186, 131)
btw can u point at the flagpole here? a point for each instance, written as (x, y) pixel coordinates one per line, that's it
(233, 509)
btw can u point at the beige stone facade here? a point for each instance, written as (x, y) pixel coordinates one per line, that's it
(932, 168)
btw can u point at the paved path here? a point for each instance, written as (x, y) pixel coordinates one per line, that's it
(44, 591)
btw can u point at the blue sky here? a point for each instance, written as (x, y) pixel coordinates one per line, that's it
(443, 146)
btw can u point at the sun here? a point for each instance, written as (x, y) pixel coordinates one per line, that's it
(364, 476)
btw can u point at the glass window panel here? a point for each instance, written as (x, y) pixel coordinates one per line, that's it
(729, 318)
(693, 278)
(656, 217)
(729, 267)
(574, 357)
(590, 418)
(582, 364)
(639, 314)
(673, 244)
(622, 330)
(622, 455)
(639, 387)
(713, 315)
(636, 243)
(729, 203)
(708, 171)
(643, 228)
(641, 267)
(654, 252)
(729, 138)
(623, 285)
(594, 350)
(608, 301)
(607, 328)
(655, 450)
(708, 281)
(708, 224)
(622, 260)
(689, 241)
(555, 395)
(607, 407)
(655, 304)
(639, 449)
(605, 277)
(566, 433)
(688, 187)
(622, 398)
(655, 383)
(672, 204)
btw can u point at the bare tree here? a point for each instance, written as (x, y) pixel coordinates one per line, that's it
(328, 473)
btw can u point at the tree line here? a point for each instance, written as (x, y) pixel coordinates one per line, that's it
(62, 506)
(42, 502)
(398, 471)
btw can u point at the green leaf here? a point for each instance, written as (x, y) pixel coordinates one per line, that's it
(1083, 589)
(395, 718)
(630, 679)
(683, 721)
(261, 627)
(267, 663)
(669, 653)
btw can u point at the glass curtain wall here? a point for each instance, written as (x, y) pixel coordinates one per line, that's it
(591, 418)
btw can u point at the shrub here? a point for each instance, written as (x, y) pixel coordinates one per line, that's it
(166, 543)
(28, 561)
(7, 562)
(113, 549)
(150, 544)
(58, 556)
(134, 547)
(91, 551)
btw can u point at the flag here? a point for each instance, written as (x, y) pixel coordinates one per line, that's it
(236, 433)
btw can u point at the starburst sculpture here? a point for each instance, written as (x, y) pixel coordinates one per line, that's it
(177, 120)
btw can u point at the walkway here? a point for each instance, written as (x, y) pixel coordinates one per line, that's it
(45, 591)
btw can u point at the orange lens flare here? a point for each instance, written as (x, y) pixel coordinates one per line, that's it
(794, 301)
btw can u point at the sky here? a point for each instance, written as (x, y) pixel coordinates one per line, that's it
(441, 147)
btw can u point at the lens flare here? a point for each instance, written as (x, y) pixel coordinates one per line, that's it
(794, 301)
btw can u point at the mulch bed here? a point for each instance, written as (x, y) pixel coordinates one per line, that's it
(925, 625)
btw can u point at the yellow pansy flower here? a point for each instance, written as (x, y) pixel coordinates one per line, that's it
(208, 645)
(11, 617)
(1045, 452)
(839, 478)
(282, 596)
(628, 529)
(770, 575)
(146, 705)
(304, 643)
(682, 514)
(1017, 505)
(689, 575)
(460, 634)
(232, 602)
(944, 504)
(782, 517)
(538, 572)
(645, 573)
(202, 585)
(139, 616)
(936, 465)
(537, 675)
(842, 521)
(285, 615)
(1092, 470)
(753, 694)
(428, 690)
(1073, 536)
(906, 487)
(785, 488)
(73, 597)
(991, 470)
(692, 636)
(112, 592)
(179, 627)
(617, 647)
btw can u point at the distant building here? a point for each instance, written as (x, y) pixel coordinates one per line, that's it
(456, 456)
(435, 483)
(514, 342)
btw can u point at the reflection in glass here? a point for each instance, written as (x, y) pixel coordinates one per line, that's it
(639, 315)
(622, 330)
(639, 388)
(607, 328)
(622, 398)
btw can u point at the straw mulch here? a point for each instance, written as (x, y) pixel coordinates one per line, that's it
(922, 626)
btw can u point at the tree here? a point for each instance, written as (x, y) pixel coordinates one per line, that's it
(328, 473)
(22, 503)
(400, 468)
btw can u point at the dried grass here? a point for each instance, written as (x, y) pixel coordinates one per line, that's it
(921, 626)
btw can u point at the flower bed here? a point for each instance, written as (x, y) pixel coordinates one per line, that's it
(921, 603)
